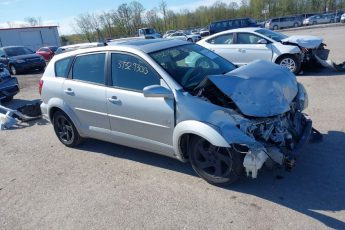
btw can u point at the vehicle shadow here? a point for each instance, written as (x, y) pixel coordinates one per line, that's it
(315, 185)
(319, 72)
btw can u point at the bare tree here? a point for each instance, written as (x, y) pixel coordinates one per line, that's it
(137, 9)
(125, 14)
(32, 21)
(163, 8)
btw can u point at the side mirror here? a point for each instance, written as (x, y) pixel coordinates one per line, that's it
(157, 91)
(262, 41)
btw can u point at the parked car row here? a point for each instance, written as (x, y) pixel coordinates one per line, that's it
(19, 59)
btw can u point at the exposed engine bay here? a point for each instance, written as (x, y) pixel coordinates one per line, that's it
(278, 128)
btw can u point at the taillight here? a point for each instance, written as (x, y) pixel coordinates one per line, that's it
(40, 85)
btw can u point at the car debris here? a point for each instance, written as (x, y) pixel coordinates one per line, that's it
(24, 113)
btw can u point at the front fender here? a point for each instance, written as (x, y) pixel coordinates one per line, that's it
(198, 128)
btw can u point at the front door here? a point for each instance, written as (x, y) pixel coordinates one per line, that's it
(223, 45)
(249, 50)
(136, 120)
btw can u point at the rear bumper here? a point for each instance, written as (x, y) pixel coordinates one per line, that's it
(9, 88)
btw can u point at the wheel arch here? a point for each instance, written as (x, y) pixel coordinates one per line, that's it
(56, 104)
(187, 129)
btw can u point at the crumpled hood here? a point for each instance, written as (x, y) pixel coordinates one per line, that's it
(306, 41)
(259, 89)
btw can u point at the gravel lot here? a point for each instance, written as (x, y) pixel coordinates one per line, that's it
(44, 185)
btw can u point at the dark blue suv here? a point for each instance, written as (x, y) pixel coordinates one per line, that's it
(20, 59)
(229, 24)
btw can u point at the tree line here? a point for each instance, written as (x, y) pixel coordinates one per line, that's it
(128, 17)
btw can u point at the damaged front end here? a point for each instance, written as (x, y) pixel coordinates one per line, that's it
(265, 103)
(313, 52)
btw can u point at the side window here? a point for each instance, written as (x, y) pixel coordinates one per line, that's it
(247, 38)
(62, 67)
(222, 39)
(130, 72)
(89, 68)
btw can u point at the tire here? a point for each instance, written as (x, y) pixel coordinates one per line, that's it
(314, 23)
(275, 27)
(295, 25)
(189, 40)
(291, 62)
(13, 70)
(332, 21)
(218, 166)
(65, 130)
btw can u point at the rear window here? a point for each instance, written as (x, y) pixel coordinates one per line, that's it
(62, 67)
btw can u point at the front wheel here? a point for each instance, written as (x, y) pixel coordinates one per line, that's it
(65, 129)
(290, 62)
(217, 165)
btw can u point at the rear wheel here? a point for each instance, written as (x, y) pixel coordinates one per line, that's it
(65, 129)
(295, 25)
(275, 27)
(216, 165)
(290, 62)
(190, 40)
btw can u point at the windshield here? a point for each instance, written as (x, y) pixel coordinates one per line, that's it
(16, 51)
(150, 31)
(190, 64)
(276, 36)
(53, 48)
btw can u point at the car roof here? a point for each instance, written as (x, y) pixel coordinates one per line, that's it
(245, 29)
(149, 45)
(231, 19)
(143, 45)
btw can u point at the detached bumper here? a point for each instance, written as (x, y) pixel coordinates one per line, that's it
(305, 136)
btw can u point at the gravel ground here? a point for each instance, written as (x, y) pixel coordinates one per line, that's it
(44, 185)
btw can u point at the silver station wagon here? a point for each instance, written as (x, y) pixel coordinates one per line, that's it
(181, 100)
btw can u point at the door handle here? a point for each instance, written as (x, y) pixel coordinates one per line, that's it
(114, 100)
(69, 91)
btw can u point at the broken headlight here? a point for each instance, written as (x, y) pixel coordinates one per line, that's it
(301, 98)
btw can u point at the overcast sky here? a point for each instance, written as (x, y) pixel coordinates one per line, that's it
(63, 12)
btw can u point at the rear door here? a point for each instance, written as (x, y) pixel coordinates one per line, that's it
(84, 91)
(136, 120)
